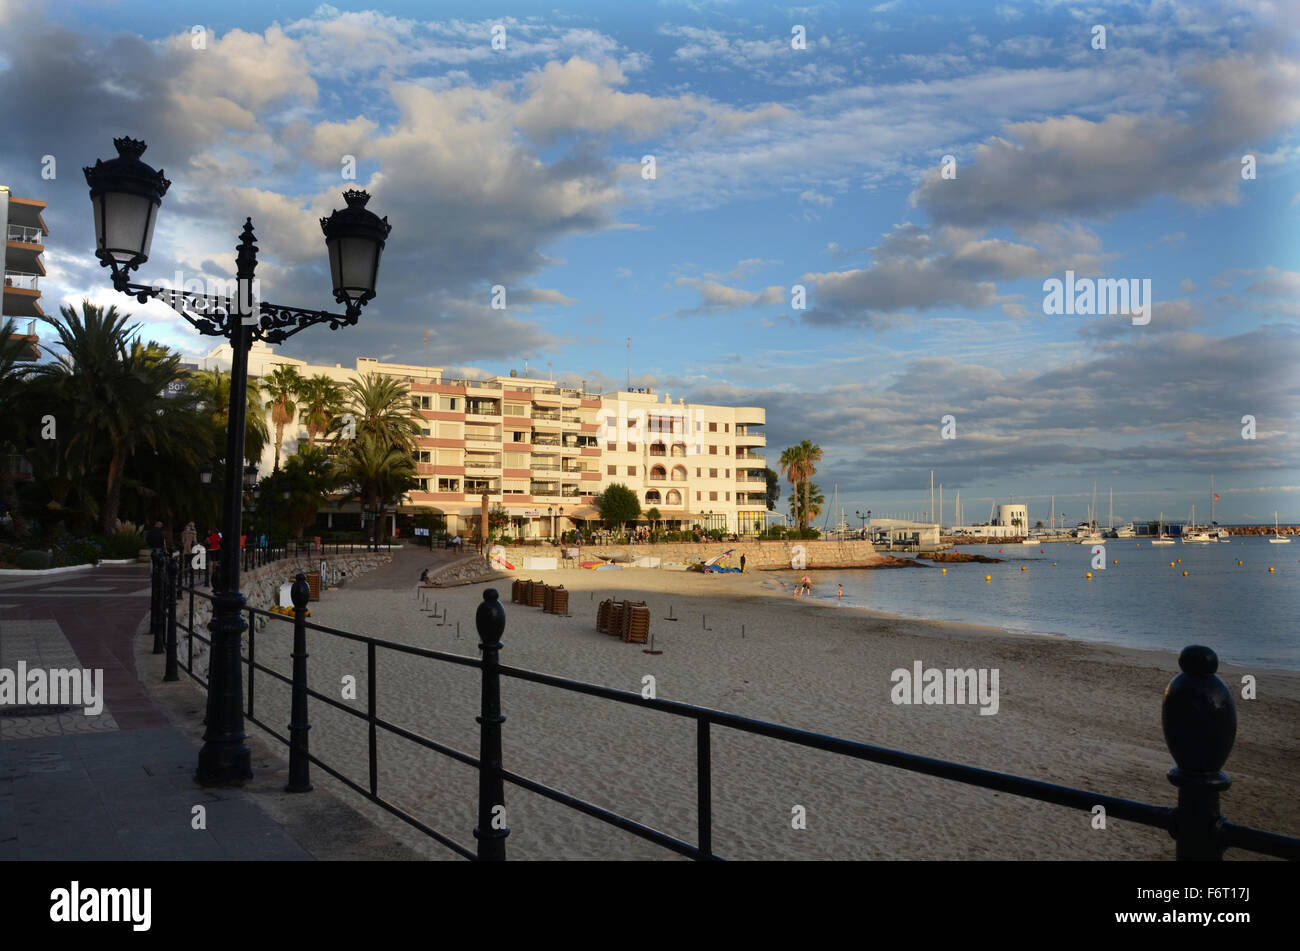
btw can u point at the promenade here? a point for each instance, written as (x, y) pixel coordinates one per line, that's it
(119, 784)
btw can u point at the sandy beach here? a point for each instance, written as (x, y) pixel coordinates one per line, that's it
(1072, 713)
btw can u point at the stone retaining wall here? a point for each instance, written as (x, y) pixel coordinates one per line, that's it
(261, 588)
(764, 554)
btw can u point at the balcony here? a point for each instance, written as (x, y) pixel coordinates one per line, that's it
(478, 408)
(546, 440)
(22, 279)
(747, 437)
(24, 234)
(761, 480)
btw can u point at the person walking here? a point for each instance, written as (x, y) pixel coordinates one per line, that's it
(742, 564)
(155, 537)
(189, 537)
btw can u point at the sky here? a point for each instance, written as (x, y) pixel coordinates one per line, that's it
(846, 213)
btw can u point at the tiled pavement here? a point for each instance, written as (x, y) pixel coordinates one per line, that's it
(117, 786)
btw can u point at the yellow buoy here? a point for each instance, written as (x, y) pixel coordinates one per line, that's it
(988, 577)
(1053, 564)
(943, 571)
(1270, 569)
(1115, 562)
(1022, 567)
(1171, 564)
(1088, 575)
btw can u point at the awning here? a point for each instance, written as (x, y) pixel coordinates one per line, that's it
(582, 512)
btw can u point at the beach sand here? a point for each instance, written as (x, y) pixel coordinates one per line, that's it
(1078, 714)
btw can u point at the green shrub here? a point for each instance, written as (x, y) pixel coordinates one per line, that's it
(75, 550)
(124, 544)
(34, 560)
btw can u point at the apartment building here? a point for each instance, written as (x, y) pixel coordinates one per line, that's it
(544, 451)
(25, 232)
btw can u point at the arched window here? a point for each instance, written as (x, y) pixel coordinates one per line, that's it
(679, 473)
(657, 473)
(674, 497)
(679, 449)
(652, 497)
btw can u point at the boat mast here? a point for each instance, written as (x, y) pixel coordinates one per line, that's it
(1111, 516)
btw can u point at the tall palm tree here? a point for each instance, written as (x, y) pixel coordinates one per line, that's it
(283, 385)
(115, 388)
(811, 455)
(792, 467)
(377, 473)
(381, 406)
(807, 512)
(322, 402)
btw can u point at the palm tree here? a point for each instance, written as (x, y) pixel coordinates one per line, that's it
(212, 387)
(806, 511)
(381, 406)
(309, 476)
(283, 385)
(322, 402)
(377, 473)
(115, 393)
(791, 463)
(810, 455)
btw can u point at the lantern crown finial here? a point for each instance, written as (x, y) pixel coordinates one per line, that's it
(356, 197)
(128, 147)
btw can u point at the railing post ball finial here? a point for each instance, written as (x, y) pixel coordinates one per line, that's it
(300, 592)
(1198, 714)
(490, 618)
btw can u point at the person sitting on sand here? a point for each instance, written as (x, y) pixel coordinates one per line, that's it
(424, 576)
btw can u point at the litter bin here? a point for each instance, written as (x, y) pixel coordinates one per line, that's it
(313, 585)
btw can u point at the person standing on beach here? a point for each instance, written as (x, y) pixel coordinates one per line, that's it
(839, 593)
(742, 564)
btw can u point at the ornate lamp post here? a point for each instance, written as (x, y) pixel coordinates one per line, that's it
(126, 195)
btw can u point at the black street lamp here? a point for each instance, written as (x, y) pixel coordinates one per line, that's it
(126, 195)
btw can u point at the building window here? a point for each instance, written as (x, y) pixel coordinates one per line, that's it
(713, 473)
(697, 472)
(631, 447)
(652, 497)
(713, 496)
(697, 496)
(726, 427)
(674, 497)
(679, 473)
(713, 427)
(631, 470)
(728, 473)
(728, 496)
(517, 436)
(658, 473)
(450, 404)
(728, 452)
(713, 450)
(449, 485)
(612, 447)
(611, 470)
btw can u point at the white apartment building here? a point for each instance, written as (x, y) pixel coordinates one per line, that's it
(544, 451)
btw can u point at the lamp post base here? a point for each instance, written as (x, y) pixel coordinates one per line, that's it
(224, 758)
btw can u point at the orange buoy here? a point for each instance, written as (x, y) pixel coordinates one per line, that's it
(1184, 574)
(1088, 575)
(1022, 567)
(988, 577)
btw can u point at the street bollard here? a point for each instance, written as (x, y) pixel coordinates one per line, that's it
(174, 580)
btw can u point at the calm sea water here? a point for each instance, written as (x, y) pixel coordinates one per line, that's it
(1248, 615)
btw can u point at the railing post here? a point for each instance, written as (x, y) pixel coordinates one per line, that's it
(174, 580)
(159, 598)
(491, 832)
(155, 598)
(299, 766)
(1200, 723)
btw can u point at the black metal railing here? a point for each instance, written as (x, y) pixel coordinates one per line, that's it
(1198, 717)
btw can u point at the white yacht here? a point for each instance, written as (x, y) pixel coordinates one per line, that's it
(1162, 538)
(1194, 534)
(1277, 538)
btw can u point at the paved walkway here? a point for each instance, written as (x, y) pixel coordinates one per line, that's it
(119, 784)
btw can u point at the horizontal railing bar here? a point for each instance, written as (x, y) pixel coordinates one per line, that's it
(612, 818)
(427, 743)
(1257, 840)
(401, 814)
(1029, 788)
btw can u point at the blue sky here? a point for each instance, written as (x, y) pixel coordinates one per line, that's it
(775, 167)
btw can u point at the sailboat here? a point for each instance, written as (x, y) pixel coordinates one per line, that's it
(1162, 538)
(1194, 534)
(1086, 532)
(1277, 538)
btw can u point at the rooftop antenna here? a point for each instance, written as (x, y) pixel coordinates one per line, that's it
(629, 364)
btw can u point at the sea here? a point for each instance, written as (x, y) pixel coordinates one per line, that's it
(1227, 600)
